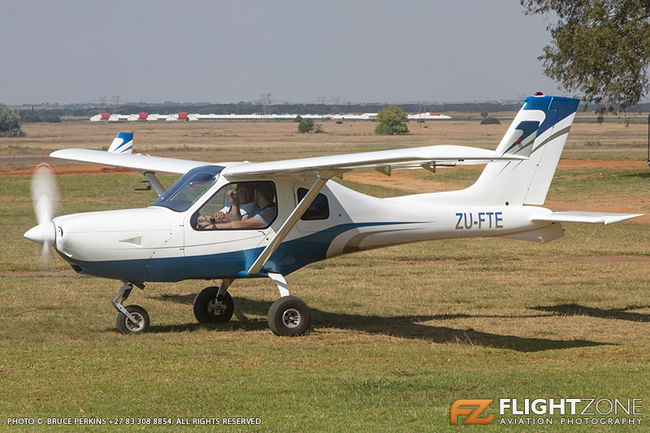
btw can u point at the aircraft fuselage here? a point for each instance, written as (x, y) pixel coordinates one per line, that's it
(160, 244)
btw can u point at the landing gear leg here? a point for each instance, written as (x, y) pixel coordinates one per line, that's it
(289, 315)
(131, 319)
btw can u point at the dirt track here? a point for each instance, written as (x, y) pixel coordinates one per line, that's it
(592, 163)
(62, 170)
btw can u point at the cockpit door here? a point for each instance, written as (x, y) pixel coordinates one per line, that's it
(226, 250)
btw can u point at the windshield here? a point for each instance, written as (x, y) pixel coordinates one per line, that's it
(189, 188)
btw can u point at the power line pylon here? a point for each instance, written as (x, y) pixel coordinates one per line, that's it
(266, 101)
(335, 104)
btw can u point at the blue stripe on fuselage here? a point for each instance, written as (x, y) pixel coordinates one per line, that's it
(289, 257)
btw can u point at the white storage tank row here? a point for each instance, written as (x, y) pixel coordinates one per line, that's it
(195, 116)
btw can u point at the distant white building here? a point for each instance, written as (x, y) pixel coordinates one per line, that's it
(195, 117)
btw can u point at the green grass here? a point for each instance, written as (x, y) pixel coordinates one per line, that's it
(398, 333)
(584, 184)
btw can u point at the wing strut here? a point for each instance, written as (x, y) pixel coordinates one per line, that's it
(153, 181)
(288, 225)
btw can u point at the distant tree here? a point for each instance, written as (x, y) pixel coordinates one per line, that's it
(392, 120)
(298, 118)
(51, 118)
(9, 123)
(599, 47)
(31, 116)
(484, 114)
(306, 125)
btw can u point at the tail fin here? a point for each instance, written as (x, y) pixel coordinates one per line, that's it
(539, 131)
(122, 143)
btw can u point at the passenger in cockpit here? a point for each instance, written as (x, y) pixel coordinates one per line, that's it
(241, 197)
(262, 217)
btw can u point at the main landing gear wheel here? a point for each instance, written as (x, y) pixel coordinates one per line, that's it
(289, 316)
(127, 326)
(210, 308)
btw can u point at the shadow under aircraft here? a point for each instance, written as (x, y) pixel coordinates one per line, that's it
(613, 313)
(412, 327)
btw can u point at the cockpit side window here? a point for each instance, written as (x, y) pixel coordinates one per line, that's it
(319, 209)
(189, 188)
(242, 205)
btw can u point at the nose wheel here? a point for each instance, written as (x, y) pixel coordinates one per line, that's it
(132, 319)
(137, 325)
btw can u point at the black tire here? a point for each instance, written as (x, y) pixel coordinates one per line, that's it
(208, 309)
(126, 326)
(289, 316)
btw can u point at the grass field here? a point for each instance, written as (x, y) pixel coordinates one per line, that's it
(398, 333)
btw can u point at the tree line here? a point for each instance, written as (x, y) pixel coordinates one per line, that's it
(53, 115)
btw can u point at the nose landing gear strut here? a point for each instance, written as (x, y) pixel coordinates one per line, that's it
(132, 319)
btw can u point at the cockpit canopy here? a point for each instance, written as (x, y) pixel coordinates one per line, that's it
(189, 188)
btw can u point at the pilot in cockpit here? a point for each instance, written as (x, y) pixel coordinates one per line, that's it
(262, 216)
(242, 195)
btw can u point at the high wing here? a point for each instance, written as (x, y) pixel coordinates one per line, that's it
(427, 157)
(325, 166)
(144, 163)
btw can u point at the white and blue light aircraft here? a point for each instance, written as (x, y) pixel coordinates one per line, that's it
(122, 143)
(197, 228)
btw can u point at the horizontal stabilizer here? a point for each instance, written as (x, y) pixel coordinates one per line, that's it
(139, 162)
(585, 217)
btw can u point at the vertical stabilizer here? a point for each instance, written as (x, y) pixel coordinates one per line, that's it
(122, 143)
(539, 131)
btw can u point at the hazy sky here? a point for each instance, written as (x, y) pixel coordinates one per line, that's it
(231, 51)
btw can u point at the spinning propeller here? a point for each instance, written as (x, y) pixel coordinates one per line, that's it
(45, 197)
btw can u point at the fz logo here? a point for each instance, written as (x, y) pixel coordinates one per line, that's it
(472, 409)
